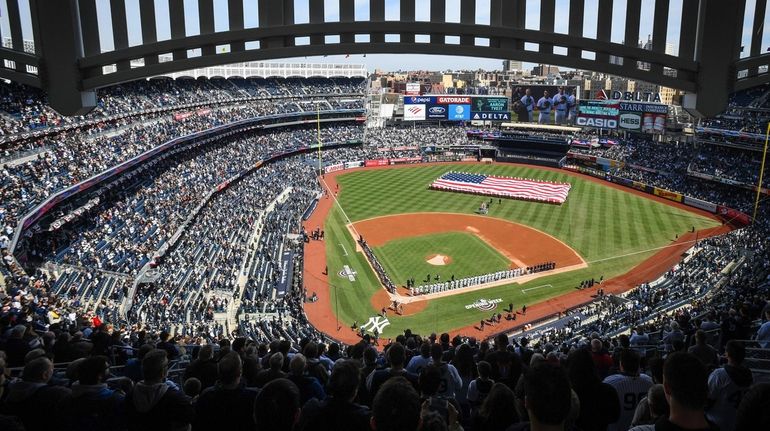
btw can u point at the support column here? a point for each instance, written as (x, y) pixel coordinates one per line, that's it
(61, 45)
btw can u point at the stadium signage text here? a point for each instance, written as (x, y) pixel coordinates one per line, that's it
(637, 96)
(437, 110)
(444, 100)
(630, 121)
(484, 304)
(495, 116)
(602, 123)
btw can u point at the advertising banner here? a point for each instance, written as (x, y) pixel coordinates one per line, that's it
(733, 215)
(453, 100)
(600, 114)
(334, 168)
(459, 112)
(642, 117)
(412, 88)
(437, 112)
(665, 194)
(641, 187)
(355, 164)
(491, 116)
(415, 112)
(697, 203)
(405, 160)
(490, 104)
(376, 162)
(287, 272)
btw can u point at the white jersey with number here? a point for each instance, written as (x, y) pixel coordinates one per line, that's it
(630, 389)
(726, 395)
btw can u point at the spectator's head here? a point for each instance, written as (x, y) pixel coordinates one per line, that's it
(501, 340)
(548, 398)
(430, 380)
(684, 380)
(425, 350)
(276, 361)
(297, 364)
(155, 366)
(396, 407)
(344, 380)
(206, 352)
(93, 370)
(581, 369)
(485, 369)
(596, 345)
(735, 351)
(655, 368)
(436, 353)
(629, 362)
(754, 410)
(192, 387)
(311, 350)
(38, 370)
(277, 406)
(396, 355)
(700, 337)
(370, 356)
(229, 369)
(656, 400)
(496, 408)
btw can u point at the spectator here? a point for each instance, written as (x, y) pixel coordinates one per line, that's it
(229, 394)
(496, 412)
(548, 400)
(419, 361)
(655, 407)
(684, 381)
(272, 373)
(451, 382)
(479, 388)
(631, 387)
(277, 407)
(32, 396)
(337, 411)
(702, 351)
(154, 403)
(506, 366)
(396, 406)
(396, 355)
(203, 368)
(92, 405)
(727, 385)
(763, 334)
(599, 405)
(754, 410)
(309, 387)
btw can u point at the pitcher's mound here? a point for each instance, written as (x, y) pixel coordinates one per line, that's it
(438, 260)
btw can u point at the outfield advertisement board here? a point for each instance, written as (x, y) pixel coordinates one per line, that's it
(376, 162)
(621, 115)
(665, 194)
(456, 108)
(697, 203)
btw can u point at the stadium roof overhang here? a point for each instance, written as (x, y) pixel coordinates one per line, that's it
(69, 62)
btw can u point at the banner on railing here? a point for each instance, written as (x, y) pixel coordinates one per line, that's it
(665, 194)
(354, 164)
(733, 215)
(376, 162)
(402, 160)
(334, 168)
(697, 203)
(287, 272)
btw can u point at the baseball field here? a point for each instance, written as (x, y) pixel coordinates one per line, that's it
(429, 236)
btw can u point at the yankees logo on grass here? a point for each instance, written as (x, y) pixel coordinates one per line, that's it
(377, 322)
(484, 304)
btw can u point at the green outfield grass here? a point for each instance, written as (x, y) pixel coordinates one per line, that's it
(405, 258)
(611, 229)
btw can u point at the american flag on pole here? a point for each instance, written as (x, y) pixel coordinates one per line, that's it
(507, 187)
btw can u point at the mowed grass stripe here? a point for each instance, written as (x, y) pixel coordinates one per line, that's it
(599, 222)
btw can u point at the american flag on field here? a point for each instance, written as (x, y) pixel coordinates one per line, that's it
(514, 188)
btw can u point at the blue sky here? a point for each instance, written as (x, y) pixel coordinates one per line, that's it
(392, 11)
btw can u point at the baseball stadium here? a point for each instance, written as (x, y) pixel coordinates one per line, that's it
(384, 215)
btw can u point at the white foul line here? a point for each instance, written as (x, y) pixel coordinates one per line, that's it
(533, 288)
(343, 249)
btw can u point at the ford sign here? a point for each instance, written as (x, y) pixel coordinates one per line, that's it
(437, 110)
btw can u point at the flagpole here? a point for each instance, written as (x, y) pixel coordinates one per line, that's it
(761, 174)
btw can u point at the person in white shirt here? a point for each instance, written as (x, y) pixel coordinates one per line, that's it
(763, 334)
(630, 386)
(560, 103)
(571, 107)
(544, 107)
(727, 385)
(529, 103)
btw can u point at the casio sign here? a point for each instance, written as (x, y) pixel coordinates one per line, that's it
(630, 121)
(602, 123)
(437, 110)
